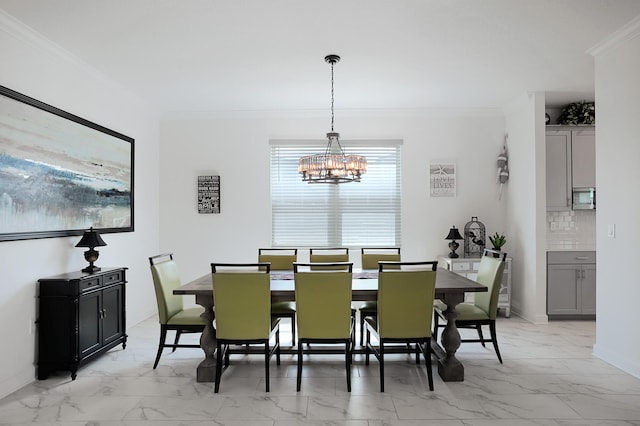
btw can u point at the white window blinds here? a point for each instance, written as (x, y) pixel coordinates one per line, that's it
(361, 214)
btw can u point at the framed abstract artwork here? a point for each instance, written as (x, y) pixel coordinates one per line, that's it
(60, 174)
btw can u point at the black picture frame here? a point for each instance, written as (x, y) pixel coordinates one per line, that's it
(59, 173)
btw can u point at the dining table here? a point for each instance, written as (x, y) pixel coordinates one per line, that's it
(450, 288)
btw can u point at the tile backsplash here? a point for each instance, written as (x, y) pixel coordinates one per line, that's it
(571, 230)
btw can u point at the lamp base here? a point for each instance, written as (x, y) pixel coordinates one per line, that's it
(91, 256)
(453, 246)
(91, 269)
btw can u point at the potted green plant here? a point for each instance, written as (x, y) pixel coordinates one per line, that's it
(498, 240)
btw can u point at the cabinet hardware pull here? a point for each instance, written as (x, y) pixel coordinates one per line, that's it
(582, 257)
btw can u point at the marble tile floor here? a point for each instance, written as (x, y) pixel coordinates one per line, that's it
(549, 377)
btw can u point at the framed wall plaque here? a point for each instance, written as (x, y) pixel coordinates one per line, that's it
(208, 194)
(442, 179)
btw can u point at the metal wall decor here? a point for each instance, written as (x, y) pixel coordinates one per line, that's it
(474, 238)
(209, 194)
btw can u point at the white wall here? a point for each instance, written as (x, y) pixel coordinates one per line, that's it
(617, 86)
(526, 205)
(237, 149)
(40, 70)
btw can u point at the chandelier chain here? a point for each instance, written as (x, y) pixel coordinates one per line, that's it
(332, 96)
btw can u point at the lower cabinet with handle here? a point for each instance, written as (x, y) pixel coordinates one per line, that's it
(80, 316)
(571, 284)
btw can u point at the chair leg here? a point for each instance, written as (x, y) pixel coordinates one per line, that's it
(494, 338)
(418, 353)
(426, 350)
(367, 349)
(278, 347)
(436, 319)
(293, 330)
(480, 336)
(163, 336)
(175, 342)
(219, 350)
(266, 365)
(381, 360)
(299, 374)
(347, 361)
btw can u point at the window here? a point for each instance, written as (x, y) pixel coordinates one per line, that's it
(361, 214)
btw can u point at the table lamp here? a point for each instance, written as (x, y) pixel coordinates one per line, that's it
(91, 239)
(454, 235)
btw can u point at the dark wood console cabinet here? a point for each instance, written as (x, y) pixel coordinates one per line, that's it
(80, 316)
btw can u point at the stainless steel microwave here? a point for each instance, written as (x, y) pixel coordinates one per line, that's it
(584, 198)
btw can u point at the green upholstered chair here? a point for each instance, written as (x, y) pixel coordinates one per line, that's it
(281, 259)
(171, 311)
(323, 300)
(328, 255)
(246, 285)
(405, 303)
(484, 310)
(370, 256)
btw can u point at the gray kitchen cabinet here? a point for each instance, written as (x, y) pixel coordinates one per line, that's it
(570, 163)
(558, 163)
(583, 158)
(571, 284)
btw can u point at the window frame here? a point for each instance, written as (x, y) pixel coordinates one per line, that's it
(365, 205)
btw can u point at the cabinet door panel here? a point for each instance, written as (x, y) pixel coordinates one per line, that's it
(562, 290)
(112, 325)
(558, 163)
(583, 158)
(588, 295)
(89, 337)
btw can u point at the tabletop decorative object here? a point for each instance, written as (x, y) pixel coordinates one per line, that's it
(91, 239)
(498, 240)
(453, 235)
(474, 238)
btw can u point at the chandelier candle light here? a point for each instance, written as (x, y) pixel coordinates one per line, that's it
(334, 166)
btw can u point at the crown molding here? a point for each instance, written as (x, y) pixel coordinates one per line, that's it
(628, 32)
(27, 35)
(343, 113)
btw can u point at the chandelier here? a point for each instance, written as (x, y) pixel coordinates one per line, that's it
(334, 166)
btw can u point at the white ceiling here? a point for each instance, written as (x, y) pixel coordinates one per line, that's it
(221, 55)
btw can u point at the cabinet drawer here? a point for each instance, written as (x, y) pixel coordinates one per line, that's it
(89, 284)
(571, 257)
(112, 277)
(460, 266)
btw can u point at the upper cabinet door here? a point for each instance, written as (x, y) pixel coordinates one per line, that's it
(558, 147)
(583, 158)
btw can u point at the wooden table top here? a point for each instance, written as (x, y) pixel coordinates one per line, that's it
(447, 282)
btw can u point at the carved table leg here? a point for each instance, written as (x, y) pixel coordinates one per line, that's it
(207, 368)
(449, 367)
